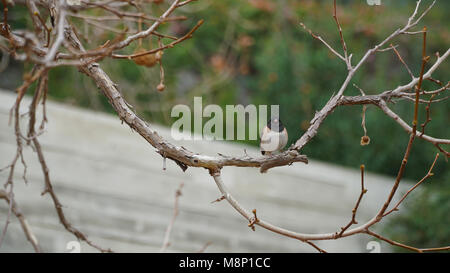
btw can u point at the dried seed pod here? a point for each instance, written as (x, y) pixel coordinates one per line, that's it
(147, 60)
(365, 140)
(161, 87)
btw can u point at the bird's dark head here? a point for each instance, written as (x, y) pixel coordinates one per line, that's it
(275, 124)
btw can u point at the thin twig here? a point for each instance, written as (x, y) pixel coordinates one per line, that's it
(23, 222)
(355, 209)
(402, 61)
(176, 211)
(49, 189)
(316, 247)
(344, 45)
(202, 250)
(317, 37)
(428, 175)
(172, 44)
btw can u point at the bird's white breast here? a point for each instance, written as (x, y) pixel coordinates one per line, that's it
(273, 141)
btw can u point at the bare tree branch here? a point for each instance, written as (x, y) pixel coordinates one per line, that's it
(60, 45)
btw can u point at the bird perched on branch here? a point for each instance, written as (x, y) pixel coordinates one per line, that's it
(274, 136)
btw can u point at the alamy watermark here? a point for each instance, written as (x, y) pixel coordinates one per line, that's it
(373, 2)
(237, 122)
(373, 247)
(73, 247)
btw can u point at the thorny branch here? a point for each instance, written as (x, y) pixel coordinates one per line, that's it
(59, 44)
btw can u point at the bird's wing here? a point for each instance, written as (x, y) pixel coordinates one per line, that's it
(283, 139)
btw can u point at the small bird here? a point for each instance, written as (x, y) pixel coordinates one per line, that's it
(274, 136)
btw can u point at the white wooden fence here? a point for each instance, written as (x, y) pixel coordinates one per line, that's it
(113, 188)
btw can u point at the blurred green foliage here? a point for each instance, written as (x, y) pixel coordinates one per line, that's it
(427, 222)
(257, 52)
